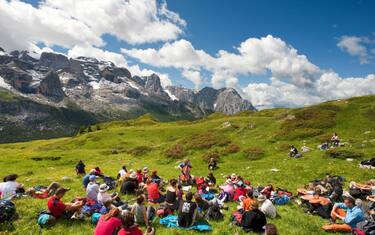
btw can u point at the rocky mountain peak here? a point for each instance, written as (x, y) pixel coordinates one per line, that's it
(54, 61)
(153, 84)
(50, 87)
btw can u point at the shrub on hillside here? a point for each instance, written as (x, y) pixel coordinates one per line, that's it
(253, 153)
(139, 150)
(232, 148)
(343, 153)
(206, 141)
(207, 156)
(175, 152)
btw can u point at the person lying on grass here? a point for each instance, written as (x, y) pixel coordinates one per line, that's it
(42, 192)
(60, 209)
(317, 204)
(366, 188)
(348, 212)
(10, 187)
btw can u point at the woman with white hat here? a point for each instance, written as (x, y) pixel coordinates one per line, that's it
(266, 206)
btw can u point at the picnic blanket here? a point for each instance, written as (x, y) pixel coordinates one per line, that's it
(171, 222)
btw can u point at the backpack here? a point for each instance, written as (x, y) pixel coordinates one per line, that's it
(110, 181)
(7, 210)
(95, 218)
(214, 213)
(45, 219)
(368, 227)
(284, 199)
(357, 231)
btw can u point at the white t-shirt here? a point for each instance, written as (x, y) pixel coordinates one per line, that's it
(92, 191)
(104, 197)
(122, 173)
(8, 189)
(268, 209)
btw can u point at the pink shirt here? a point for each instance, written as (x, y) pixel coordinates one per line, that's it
(107, 227)
(153, 191)
(133, 230)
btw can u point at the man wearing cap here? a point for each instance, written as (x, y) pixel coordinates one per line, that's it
(60, 209)
(92, 189)
(266, 206)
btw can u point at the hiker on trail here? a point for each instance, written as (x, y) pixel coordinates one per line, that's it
(154, 196)
(109, 223)
(253, 220)
(348, 212)
(92, 189)
(10, 187)
(128, 225)
(187, 211)
(266, 206)
(80, 168)
(335, 140)
(185, 175)
(86, 178)
(212, 164)
(294, 152)
(139, 211)
(60, 209)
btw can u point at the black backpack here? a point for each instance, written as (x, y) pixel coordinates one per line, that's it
(367, 227)
(214, 213)
(7, 210)
(110, 181)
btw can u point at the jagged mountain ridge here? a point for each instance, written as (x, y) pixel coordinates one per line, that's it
(104, 90)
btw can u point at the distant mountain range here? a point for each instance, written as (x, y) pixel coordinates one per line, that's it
(48, 95)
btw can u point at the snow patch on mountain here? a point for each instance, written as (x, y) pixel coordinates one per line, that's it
(173, 97)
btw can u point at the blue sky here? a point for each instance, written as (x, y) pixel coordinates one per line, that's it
(334, 36)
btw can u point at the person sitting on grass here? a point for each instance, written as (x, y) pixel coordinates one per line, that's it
(104, 197)
(109, 223)
(294, 152)
(154, 196)
(171, 195)
(253, 220)
(92, 189)
(60, 209)
(140, 212)
(335, 140)
(86, 178)
(155, 178)
(10, 187)
(212, 164)
(266, 206)
(80, 168)
(348, 212)
(187, 211)
(128, 225)
(211, 180)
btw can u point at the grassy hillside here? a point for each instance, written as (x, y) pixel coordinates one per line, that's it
(251, 146)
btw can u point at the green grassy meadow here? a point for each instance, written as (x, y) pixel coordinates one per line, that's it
(253, 144)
